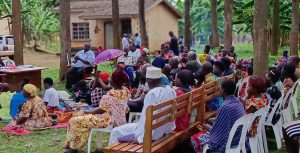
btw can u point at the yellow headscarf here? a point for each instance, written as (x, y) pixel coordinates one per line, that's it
(202, 57)
(31, 89)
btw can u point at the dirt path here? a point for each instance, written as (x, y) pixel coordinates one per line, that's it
(32, 57)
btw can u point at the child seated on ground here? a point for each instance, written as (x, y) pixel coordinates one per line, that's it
(5, 98)
(83, 93)
(51, 97)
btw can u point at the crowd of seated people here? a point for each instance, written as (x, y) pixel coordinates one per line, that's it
(138, 82)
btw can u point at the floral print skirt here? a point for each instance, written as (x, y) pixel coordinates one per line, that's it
(80, 127)
(199, 140)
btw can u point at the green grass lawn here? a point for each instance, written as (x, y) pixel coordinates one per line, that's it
(52, 140)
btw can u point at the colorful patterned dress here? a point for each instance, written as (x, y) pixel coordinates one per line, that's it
(115, 105)
(36, 113)
(258, 103)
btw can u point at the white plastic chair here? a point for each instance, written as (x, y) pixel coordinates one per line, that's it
(243, 121)
(256, 142)
(277, 128)
(99, 132)
(286, 112)
(136, 116)
(294, 98)
(241, 146)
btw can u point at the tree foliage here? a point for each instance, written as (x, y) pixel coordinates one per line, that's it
(242, 17)
(38, 18)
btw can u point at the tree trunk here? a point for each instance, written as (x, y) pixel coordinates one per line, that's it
(17, 32)
(142, 20)
(260, 29)
(187, 24)
(116, 23)
(275, 35)
(295, 27)
(65, 37)
(228, 23)
(214, 38)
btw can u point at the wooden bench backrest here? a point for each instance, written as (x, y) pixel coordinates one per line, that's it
(210, 90)
(198, 103)
(169, 111)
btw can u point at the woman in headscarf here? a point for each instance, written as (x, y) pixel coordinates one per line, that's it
(33, 114)
(256, 94)
(112, 110)
(256, 99)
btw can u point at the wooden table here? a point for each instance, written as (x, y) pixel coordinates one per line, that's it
(15, 77)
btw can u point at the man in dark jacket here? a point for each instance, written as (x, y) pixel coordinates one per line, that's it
(174, 43)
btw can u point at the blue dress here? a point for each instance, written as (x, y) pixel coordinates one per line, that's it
(16, 101)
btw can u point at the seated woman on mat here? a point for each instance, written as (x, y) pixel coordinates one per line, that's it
(112, 108)
(33, 115)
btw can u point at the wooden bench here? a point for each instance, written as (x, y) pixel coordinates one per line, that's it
(155, 118)
(210, 90)
(174, 109)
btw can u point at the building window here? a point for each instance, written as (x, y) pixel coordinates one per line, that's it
(81, 31)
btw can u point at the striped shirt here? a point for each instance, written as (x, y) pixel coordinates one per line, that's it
(231, 110)
(292, 128)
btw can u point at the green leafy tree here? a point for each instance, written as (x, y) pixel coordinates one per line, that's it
(39, 22)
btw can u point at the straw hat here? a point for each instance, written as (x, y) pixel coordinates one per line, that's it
(153, 73)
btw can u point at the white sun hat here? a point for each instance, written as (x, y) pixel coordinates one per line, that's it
(153, 73)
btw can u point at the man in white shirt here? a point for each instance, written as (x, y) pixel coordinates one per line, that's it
(83, 61)
(158, 93)
(126, 59)
(125, 42)
(135, 52)
(51, 97)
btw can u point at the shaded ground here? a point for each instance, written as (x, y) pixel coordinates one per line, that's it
(40, 59)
